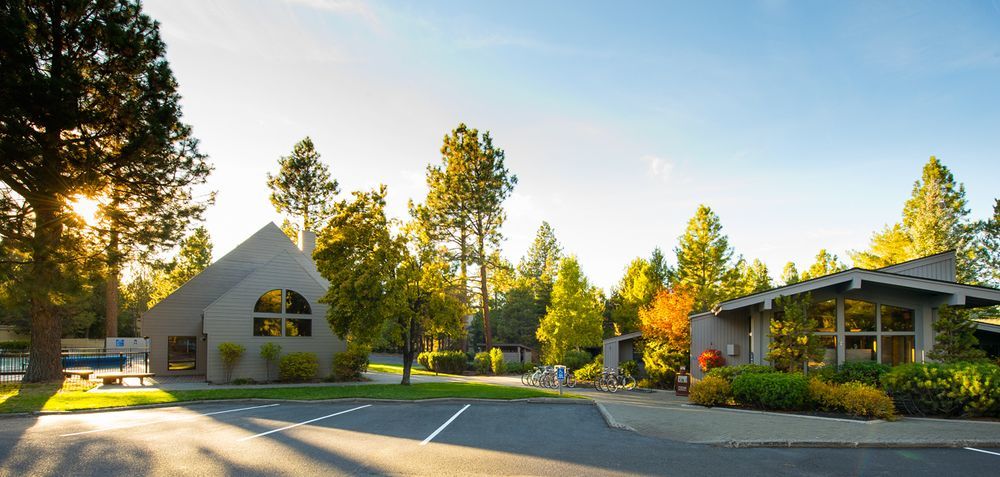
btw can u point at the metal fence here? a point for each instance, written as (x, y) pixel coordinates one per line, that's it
(14, 364)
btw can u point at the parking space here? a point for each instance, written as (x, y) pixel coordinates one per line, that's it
(410, 438)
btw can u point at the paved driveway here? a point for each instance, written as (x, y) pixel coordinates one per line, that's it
(473, 438)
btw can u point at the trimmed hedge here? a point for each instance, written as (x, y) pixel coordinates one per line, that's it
(730, 372)
(299, 366)
(496, 361)
(869, 373)
(592, 370)
(15, 345)
(954, 389)
(852, 398)
(780, 391)
(448, 362)
(711, 391)
(350, 365)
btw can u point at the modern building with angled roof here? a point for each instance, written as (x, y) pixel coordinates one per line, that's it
(883, 315)
(266, 289)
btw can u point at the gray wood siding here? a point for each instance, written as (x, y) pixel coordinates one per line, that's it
(230, 318)
(709, 331)
(937, 267)
(180, 313)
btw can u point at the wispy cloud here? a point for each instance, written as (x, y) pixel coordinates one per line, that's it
(659, 167)
(349, 7)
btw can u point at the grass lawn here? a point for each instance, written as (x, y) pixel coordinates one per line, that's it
(49, 397)
(416, 370)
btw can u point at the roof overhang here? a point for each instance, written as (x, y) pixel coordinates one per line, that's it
(626, 336)
(956, 294)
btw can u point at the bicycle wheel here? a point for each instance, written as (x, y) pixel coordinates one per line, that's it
(570, 380)
(524, 379)
(629, 383)
(599, 383)
(612, 385)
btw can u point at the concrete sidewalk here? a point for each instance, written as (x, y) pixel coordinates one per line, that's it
(664, 415)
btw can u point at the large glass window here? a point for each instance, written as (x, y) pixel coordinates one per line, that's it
(859, 316)
(825, 314)
(269, 302)
(829, 357)
(895, 318)
(267, 326)
(296, 304)
(274, 306)
(860, 348)
(182, 353)
(897, 349)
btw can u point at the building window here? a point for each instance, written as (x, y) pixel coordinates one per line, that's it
(269, 302)
(825, 314)
(859, 316)
(895, 318)
(829, 346)
(272, 310)
(897, 349)
(182, 352)
(267, 326)
(860, 348)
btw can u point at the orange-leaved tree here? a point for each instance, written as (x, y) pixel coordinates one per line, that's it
(665, 319)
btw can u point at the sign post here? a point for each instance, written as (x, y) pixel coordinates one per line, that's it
(683, 382)
(560, 376)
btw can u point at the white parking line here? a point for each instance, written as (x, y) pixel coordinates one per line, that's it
(179, 418)
(302, 423)
(983, 451)
(428, 439)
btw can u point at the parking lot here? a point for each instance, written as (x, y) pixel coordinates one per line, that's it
(449, 438)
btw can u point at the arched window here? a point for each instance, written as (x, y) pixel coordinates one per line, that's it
(280, 312)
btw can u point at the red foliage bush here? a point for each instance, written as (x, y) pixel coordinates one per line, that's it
(710, 358)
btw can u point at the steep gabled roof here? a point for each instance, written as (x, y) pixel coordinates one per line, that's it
(226, 272)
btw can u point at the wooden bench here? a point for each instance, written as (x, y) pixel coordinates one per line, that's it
(84, 374)
(116, 378)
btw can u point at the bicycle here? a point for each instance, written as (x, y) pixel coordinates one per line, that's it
(625, 380)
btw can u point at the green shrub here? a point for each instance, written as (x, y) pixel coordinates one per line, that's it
(782, 391)
(448, 362)
(954, 389)
(711, 391)
(270, 352)
(869, 373)
(852, 398)
(514, 367)
(630, 367)
(15, 345)
(730, 372)
(243, 381)
(424, 359)
(590, 371)
(481, 362)
(576, 359)
(496, 361)
(230, 354)
(300, 366)
(350, 364)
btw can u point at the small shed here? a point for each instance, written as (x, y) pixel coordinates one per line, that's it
(512, 352)
(620, 348)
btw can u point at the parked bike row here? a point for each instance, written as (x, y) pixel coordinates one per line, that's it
(611, 380)
(547, 377)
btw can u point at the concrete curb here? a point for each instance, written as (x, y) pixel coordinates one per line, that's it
(571, 401)
(853, 445)
(610, 420)
(785, 414)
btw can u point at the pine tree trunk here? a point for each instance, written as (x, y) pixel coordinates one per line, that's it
(484, 290)
(44, 363)
(111, 288)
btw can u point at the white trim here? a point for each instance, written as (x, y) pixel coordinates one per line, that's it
(262, 434)
(438, 431)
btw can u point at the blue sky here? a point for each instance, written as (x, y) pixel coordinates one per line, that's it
(802, 124)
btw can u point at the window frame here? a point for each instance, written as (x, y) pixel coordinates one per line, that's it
(283, 316)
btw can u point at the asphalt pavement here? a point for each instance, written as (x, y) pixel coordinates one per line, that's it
(372, 438)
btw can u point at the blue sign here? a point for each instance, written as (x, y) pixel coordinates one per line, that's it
(119, 343)
(561, 373)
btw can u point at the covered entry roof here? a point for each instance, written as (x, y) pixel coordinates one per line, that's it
(957, 294)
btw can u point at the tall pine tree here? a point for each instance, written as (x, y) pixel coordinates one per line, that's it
(88, 104)
(303, 189)
(704, 260)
